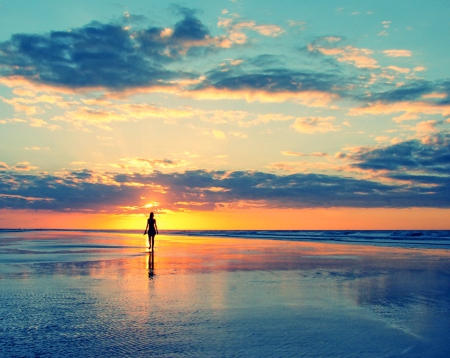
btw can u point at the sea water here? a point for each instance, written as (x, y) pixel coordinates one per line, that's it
(393, 238)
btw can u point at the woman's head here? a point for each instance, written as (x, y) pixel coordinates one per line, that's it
(151, 214)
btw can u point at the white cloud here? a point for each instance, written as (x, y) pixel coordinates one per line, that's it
(218, 134)
(315, 124)
(397, 53)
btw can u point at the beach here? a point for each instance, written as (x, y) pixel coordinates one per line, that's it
(78, 293)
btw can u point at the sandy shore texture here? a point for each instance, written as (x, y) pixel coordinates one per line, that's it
(78, 294)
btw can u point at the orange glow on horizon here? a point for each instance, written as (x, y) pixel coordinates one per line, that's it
(241, 219)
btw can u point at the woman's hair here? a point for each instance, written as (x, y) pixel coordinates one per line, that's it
(151, 214)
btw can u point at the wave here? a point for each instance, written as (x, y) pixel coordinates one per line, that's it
(400, 238)
(397, 238)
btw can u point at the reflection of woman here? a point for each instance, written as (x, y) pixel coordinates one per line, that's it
(151, 229)
(151, 265)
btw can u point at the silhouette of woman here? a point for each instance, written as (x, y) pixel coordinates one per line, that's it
(151, 229)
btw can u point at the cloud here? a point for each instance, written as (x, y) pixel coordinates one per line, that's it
(4, 166)
(238, 134)
(269, 30)
(19, 106)
(78, 163)
(236, 28)
(24, 166)
(397, 53)
(73, 191)
(432, 157)
(314, 124)
(218, 134)
(299, 154)
(22, 198)
(36, 148)
(109, 56)
(102, 113)
(139, 163)
(302, 167)
(410, 109)
(266, 79)
(382, 139)
(101, 116)
(399, 69)
(222, 116)
(300, 24)
(414, 90)
(307, 98)
(415, 98)
(85, 190)
(270, 85)
(426, 127)
(435, 95)
(14, 120)
(358, 57)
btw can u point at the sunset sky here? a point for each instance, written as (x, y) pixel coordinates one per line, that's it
(225, 114)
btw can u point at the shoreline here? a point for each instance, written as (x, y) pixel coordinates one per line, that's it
(79, 246)
(420, 239)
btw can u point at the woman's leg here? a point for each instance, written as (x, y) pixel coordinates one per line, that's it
(153, 242)
(149, 241)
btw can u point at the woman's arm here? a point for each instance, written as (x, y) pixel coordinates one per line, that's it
(146, 228)
(156, 227)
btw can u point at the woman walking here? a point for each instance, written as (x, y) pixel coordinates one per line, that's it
(151, 229)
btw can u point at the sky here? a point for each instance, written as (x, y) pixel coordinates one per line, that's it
(225, 115)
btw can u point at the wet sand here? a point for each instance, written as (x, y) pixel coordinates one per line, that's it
(92, 294)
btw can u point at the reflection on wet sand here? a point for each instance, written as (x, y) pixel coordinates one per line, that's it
(227, 297)
(182, 255)
(151, 264)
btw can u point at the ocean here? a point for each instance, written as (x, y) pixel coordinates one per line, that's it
(394, 238)
(390, 238)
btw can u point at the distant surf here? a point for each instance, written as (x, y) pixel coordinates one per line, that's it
(424, 239)
(395, 238)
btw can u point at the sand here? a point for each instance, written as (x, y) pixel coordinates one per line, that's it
(101, 294)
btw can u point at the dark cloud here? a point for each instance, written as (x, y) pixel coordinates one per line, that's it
(204, 190)
(189, 37)
(190, 28)
(105, 55)
(413, 155)
(410, 92)
(274, 80)
(71, 192)
(444, 88)
(422, 179)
